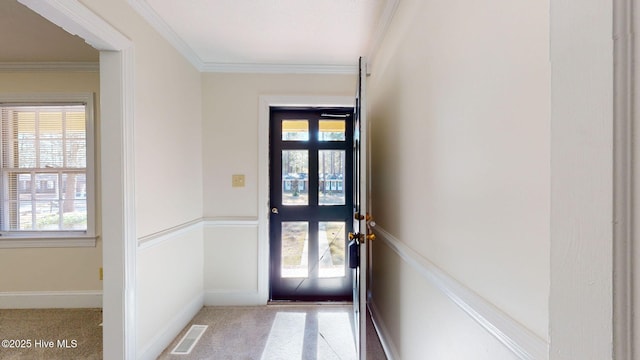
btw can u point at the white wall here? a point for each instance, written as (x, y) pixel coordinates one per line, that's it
(169, 288)
(231, 134)
(459, 106)
(37, 276)
(168, 179)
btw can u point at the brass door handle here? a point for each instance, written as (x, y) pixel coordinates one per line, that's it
(361, 237)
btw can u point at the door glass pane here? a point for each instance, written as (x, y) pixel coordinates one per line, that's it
(331, 244)
(331, 171)
(332, 130)
(295, 177)
(295, 130)
(295, 242)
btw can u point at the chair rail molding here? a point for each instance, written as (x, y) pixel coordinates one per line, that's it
(521, 341)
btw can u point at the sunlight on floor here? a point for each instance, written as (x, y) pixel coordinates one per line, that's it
(321, 335)
(286, 337)
(276, 331)
(335, 339)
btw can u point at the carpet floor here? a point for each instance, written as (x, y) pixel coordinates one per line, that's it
(51, 334)
(282, 332)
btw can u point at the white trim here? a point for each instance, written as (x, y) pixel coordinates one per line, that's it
(233, 298)
(156, 21)
(118, 200)
(128, 200)
(49, 66)
(389, 348)
(168, 333)
(265, 102)
(231, 222)
(151, 240)
(144, 10)
(623, 246)
(521, 341)
(77, 19)
(49, 97)
(119, 248)
(280, 68)
(51, 299)
(16, 242)
(155, 239)
(36, 99)
(381, 30)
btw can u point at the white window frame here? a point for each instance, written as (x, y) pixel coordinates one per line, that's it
(46, 238)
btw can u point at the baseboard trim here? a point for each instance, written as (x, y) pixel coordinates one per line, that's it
(521, 341)
(233, 298)
(389, 348)
(170, 331)
(51, 299)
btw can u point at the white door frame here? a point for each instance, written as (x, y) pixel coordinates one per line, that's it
(626, 170)
(117, 159)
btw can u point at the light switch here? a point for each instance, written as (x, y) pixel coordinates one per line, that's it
(237, 180)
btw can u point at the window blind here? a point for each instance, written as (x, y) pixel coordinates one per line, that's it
(44, 167)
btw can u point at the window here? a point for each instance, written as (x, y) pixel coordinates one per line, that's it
(46, 164)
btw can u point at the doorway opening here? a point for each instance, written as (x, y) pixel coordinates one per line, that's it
(311, 199)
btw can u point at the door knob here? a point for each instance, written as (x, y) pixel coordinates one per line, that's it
(361, 237)
(274, 210)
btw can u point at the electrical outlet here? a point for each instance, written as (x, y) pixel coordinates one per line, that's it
(101, 274)
(237, 180)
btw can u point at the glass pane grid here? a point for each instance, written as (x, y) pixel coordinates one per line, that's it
(295, 249)
(331, 246)
(332, 130)
(295, 130)
(44, 167)
(331, 173)
(295, 177)
(36, 201)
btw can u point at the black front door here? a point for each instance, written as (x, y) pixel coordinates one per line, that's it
(311, 203)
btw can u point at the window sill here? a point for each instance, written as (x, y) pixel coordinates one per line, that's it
(65, 240)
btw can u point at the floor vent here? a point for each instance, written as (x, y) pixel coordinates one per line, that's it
(189, 340)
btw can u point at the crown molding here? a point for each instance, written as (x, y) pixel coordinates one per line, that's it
(152, 17)
(381, 30)
(76, 19)
(147, 12)
(49, 66)
(280, 68)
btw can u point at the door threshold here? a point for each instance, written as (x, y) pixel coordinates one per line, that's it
(302, 302)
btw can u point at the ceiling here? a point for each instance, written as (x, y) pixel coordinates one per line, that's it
(319, 36)
(276, 35)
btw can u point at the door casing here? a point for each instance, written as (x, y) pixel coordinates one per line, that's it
(265, 103)
(309, 288)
